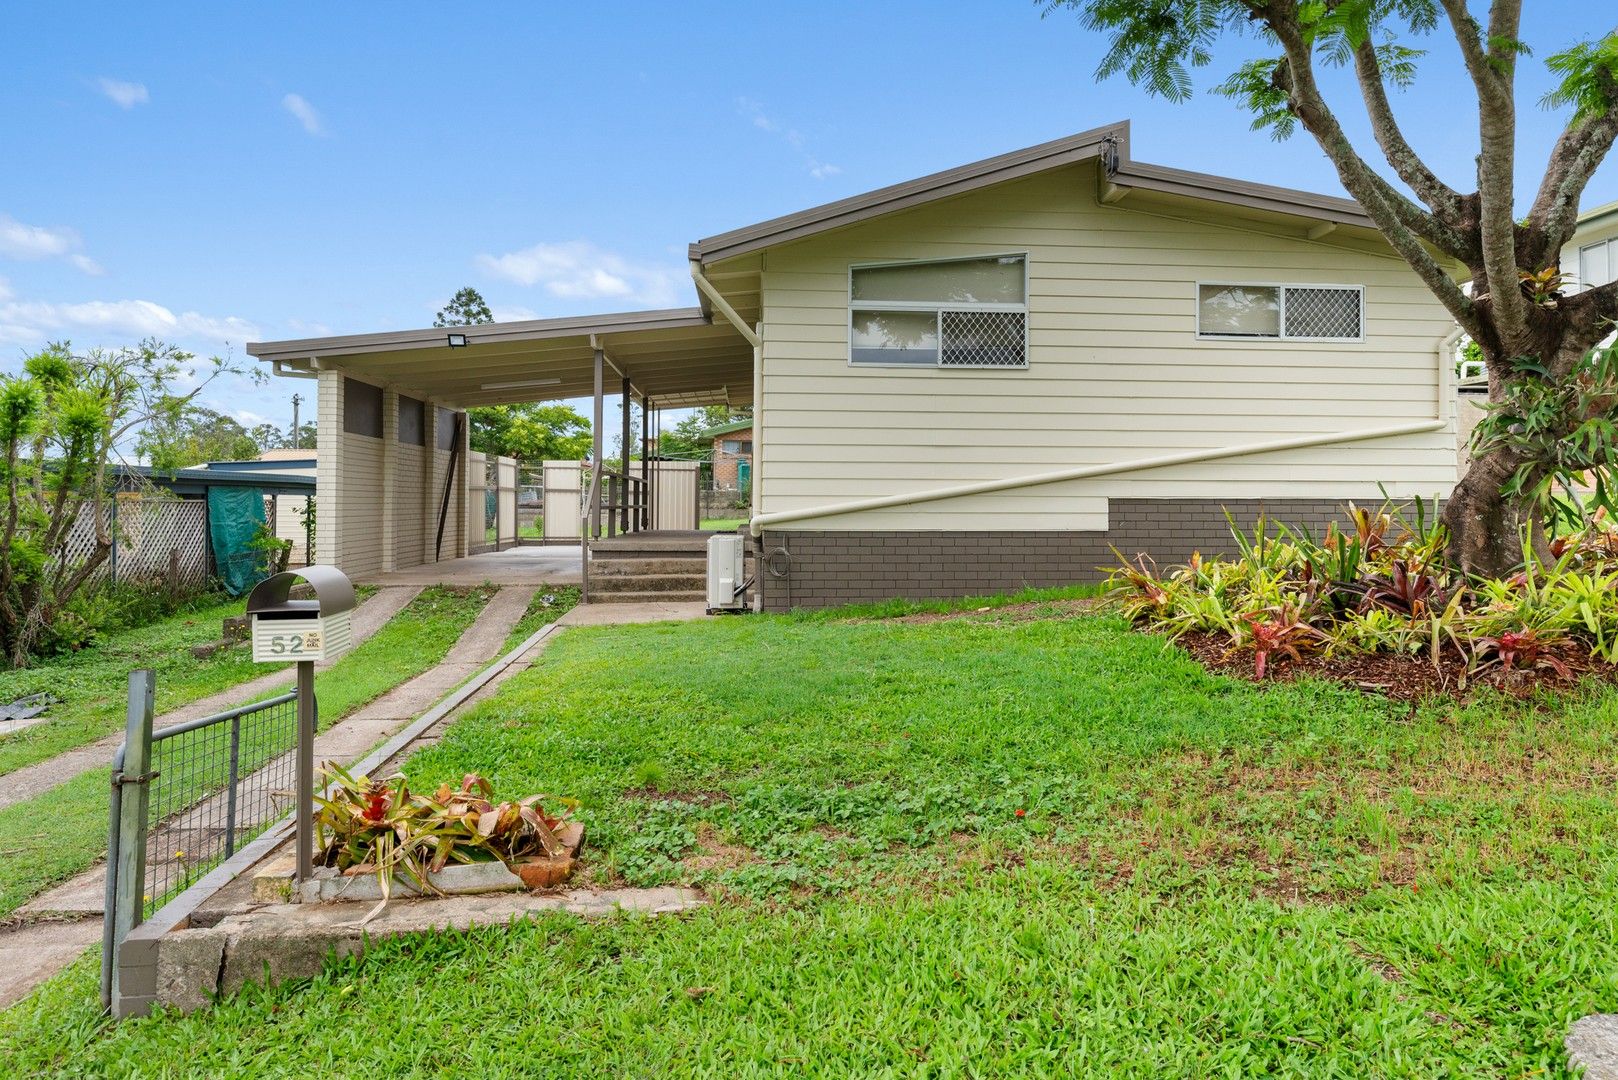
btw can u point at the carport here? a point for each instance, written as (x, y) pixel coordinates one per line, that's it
(392, 430)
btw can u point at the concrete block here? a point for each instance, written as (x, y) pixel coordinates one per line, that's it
(188, 964)
(292, 952)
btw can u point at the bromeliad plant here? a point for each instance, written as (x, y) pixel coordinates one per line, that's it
(379, 826)
(1381, 585)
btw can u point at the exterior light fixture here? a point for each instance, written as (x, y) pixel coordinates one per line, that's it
(520, 384)
(457, 341)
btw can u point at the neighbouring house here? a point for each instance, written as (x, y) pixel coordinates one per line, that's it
(732, 459)
(981, 379)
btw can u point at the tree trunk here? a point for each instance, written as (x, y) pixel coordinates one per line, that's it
(1486, 528)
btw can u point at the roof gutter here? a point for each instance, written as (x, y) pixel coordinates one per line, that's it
(706, 288)
(1441, 350)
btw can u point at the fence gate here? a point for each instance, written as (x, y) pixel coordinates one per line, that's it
(563, 483)
(184, 799)
(675, 495)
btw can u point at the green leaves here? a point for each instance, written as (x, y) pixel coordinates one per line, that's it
(21, 403)
(1589, 74)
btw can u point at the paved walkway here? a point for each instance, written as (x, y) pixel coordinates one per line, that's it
(36, 779)
(527, 564)
(60, 924)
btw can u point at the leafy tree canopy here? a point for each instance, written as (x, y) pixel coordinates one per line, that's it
(466, 308)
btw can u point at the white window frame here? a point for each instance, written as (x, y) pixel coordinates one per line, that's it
(1281, 288)
(1611, 244)
(939, 309)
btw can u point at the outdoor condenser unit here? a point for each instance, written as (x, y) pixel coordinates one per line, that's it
(727, 562)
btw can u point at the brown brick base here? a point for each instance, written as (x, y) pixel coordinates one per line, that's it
(824, 569)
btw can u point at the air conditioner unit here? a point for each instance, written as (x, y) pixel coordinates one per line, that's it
(727, 563)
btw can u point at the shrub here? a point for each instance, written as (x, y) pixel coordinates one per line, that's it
(1380, 585)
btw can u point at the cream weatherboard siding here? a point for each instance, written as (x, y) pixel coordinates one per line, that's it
(361, 507)
(377, 498)
(1115, 369)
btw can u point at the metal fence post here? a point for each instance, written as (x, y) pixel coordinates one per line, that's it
(230, 791)
(126, 859)
(305, 839)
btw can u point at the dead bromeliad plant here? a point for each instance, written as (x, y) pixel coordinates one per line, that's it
(379, 826)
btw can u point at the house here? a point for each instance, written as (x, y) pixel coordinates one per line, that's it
(732, 454)
(969, 382)
(1590, 258)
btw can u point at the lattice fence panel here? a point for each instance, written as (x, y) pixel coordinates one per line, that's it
(147, 536)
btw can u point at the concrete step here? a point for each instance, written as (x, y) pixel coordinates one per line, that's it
(645, 597)
(649, 583)
(602, 568)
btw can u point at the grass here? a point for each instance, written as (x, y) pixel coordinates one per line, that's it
(546, 607)
(723, 524)
(1205, 877)
(93, 683)
(64, 830)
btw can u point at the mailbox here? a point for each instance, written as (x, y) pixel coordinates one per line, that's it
(285, 631)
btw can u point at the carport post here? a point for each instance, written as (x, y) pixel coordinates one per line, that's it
(624, 458)
(645, 464)
(595, 448)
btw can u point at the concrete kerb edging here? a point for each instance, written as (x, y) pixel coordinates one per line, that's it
(137, 954)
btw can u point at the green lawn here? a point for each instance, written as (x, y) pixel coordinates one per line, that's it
(64, 830)
(546, 607)
(723, 524)
(94, 683)
(1206, 878)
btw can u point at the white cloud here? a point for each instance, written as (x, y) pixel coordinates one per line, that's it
(249, 419)
(306, 114)
(30, 320)
(579, 270)
(754, 111)
(5, 289)
(126, 95)
(513, 314)
(19, 240)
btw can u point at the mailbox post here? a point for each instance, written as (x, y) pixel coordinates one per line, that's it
(284, 630)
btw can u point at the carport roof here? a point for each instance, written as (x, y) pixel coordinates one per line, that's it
(676, 356)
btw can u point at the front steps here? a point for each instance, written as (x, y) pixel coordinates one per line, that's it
(650, 567)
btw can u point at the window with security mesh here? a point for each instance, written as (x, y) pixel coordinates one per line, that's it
(955, 313)
(1323, 313)
(1281, 312)
(983, 339)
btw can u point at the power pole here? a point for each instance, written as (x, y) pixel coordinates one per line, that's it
(296, 401)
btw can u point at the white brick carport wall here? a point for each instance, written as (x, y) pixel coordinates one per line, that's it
(377, 500)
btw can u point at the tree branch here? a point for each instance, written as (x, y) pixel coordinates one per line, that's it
(1492, 72)
(1555, 213)
(1370, 190)
(1444, 201)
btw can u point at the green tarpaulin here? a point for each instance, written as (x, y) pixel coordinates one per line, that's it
(235, 516)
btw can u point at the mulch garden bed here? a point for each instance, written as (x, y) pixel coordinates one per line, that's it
(1403, 678)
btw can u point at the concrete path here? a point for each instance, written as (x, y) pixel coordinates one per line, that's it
(528, 564)
(638, 612)
(36, 779)
(60, 924)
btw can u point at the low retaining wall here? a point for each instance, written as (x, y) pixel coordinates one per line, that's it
(825, 569)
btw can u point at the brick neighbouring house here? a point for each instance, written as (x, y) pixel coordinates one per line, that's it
(732, 450)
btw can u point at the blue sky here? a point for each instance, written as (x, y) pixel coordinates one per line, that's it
(219, 173)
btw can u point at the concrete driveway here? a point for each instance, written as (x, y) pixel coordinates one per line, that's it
(527, 565)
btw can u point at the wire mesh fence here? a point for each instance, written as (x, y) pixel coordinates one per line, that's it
(187, 797)
(217, 783)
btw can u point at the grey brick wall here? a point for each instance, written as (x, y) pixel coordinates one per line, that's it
(825, 569)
